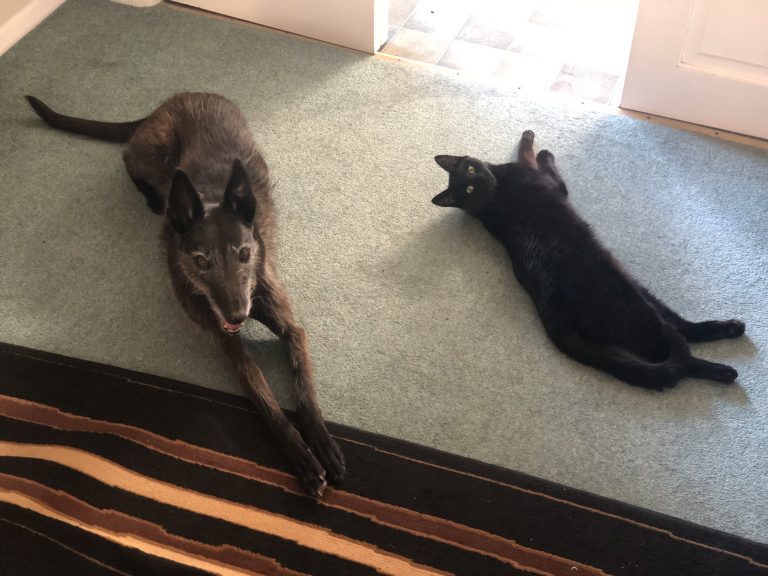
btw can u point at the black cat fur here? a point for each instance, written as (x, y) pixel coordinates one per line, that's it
(591, 308)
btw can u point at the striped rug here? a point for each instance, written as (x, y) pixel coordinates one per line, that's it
(106, 471)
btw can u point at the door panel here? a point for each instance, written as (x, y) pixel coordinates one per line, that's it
(701, 61)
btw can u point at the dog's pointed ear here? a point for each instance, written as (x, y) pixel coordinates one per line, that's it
(447, 163)
(445, 199)
(238, 196)
(184, 204)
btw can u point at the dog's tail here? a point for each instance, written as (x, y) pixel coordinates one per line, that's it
(625, 366)
(109, 131)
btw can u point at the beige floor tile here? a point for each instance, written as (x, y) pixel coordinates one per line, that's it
(592, 36)
(473, 60)
(400, 11)
(494, 23)
(415, 45)
(585, 83)
(445, 17)
(527, 73)
(555, 13)
(541, 41)
(598, 51)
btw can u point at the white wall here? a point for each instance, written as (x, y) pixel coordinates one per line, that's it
(10, 7)
(358, 24)
(18, 17)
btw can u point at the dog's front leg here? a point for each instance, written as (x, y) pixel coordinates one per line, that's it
(307, 467)
(309, 471)
(272, 308)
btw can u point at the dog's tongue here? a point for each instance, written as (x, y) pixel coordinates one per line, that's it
(231, 327)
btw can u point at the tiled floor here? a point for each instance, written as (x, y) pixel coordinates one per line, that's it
(576, 47)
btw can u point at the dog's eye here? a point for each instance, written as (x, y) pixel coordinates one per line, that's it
(470, 170)
(470, 189)
(201, 261)
(245, 254)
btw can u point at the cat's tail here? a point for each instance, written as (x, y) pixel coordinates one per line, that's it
(109, 131)
(624, 365)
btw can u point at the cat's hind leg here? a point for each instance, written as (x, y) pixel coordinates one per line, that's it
(546, 161)
(525, 153)
(710, 330)
(712, 371)
(706, 331)
(616, 361)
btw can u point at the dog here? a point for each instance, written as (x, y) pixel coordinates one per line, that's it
(196, 163)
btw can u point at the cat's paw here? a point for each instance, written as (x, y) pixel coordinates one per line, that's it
(660, 385)
(545, 157)
(713, 330)
(733, 328)
(528, 135)
(724, 375)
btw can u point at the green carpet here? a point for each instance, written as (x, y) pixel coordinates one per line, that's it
(417, 325)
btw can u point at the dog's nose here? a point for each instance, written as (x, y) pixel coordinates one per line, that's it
(236, 319)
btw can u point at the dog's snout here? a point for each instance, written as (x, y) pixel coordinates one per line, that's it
(236, 318)
(231, 304)
(238, 310)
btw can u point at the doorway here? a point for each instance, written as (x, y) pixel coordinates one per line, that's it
(577, 48)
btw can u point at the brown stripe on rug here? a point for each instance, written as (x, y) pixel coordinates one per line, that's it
(185, 528)
(416, 523)
(129, 531)
(70, 550)
(309, 536)
(88, 451)
(419, 547)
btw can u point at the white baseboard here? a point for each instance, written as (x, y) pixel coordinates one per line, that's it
(25, 20)
(343, 22)
(138, 3)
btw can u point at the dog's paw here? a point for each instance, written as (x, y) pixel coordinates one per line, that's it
(308, 470)
(310, 473)
(328, 453)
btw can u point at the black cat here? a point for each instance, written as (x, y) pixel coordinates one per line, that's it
(592, 309)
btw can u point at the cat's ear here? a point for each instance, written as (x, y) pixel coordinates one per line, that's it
(445, 199)
(447, 163)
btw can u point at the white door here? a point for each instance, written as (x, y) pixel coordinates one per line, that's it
(701, 61)
(358, 24)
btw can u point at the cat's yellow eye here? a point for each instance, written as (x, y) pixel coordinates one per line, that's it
(471, 170)
(470, 189)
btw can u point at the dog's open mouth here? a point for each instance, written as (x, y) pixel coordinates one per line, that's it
(231, 328)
